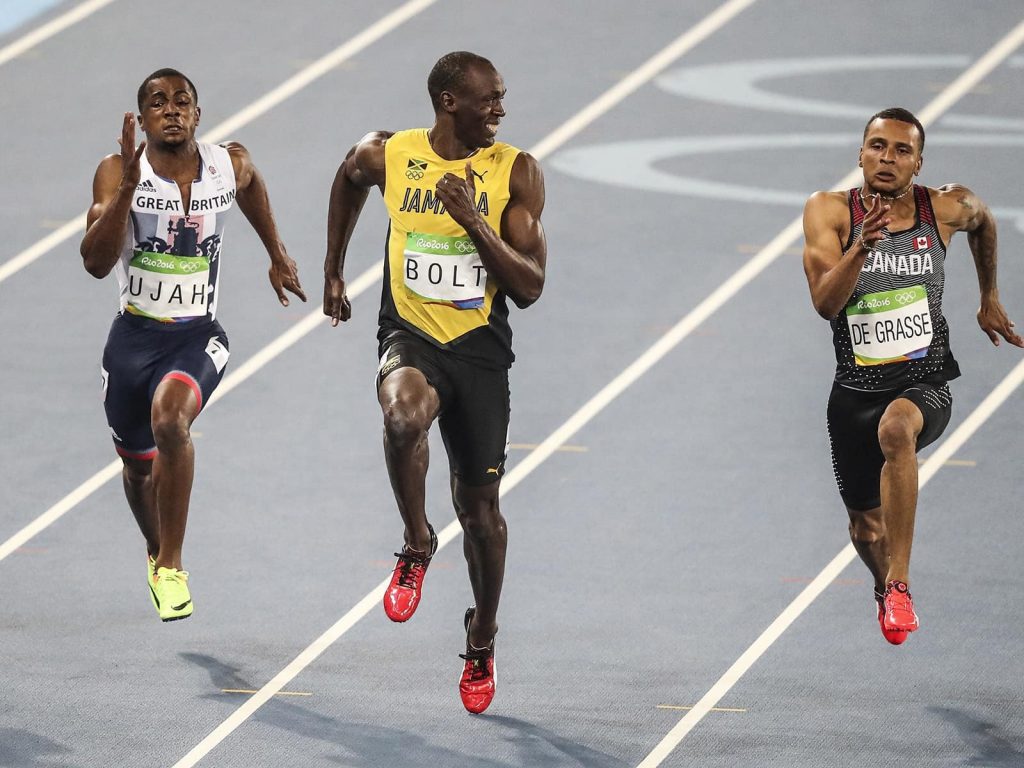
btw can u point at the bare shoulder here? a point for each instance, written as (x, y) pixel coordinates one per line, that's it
(526, 171)
(827, 201)
(366, 158)
(526, 182)
(240, 157)
(108, 176)
(826, 208)
(951, 195)
(955, 205)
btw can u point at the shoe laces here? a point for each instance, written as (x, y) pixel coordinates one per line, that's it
(412, 568)
(897, 598)
(172, 574)
(477, 667)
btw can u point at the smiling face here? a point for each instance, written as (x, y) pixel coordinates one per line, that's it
(170, 113)
(476, 107)
(890, 155)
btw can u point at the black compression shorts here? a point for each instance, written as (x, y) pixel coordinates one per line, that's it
(474, 405)
(140, 353)
(853, 418)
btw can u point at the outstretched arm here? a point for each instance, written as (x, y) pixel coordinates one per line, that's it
(831, 273)
(361, 169)
(112, 190)
(960, 210)
(518, 259)
(251, 195)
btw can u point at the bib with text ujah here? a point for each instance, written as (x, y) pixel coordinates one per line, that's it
(444, 270)
(163, 286)
(890, 326)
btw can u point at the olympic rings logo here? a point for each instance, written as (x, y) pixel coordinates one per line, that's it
(905, 298)
(414, 175)
(464, 247)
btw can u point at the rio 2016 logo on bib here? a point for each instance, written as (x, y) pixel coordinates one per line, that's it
(890, 326)
(444, 270)
(164, 286)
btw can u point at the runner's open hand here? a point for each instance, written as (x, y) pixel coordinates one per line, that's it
(875, 221)
(131, 169)
(336, 303)
(459, 196)
(993, 320)
(284, 274)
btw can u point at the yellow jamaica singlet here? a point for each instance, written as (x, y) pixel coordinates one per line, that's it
(435, 284)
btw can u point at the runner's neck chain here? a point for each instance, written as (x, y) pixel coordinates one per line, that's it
(888, 198)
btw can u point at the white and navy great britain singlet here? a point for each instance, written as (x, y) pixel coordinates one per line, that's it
(170, 266)
(892, 331)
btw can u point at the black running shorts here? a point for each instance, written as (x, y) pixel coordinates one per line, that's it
(474, 413)
(853, 418)
(140, 353)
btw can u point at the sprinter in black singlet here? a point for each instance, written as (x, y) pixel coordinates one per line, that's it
(874, 259)
(157, 222)
(465, 234)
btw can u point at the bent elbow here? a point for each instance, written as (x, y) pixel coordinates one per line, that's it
(95, 267)
(530, 295)
(826, 310)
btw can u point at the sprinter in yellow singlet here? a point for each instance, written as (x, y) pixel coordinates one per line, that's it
(465, 234)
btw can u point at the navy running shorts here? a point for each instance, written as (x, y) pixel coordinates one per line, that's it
(140, 353)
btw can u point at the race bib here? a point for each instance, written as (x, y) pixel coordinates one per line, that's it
(444, 270)
(890, 326)
(165, 286)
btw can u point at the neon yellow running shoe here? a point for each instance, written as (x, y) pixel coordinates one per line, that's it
(170, 589)
(150, 573)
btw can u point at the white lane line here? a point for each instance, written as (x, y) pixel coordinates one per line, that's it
(964, 83)
(651, 68)
(222, 130)
(232, 380)
(516, 475)
(51, 28)
(831, 571)
(371, 275)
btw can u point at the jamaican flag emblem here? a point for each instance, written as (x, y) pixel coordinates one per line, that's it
(415, 169)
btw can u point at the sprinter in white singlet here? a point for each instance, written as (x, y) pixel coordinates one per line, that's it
(157, 221)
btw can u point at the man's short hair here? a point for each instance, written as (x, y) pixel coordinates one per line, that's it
(900, 114)
(165, 72)
(449, 73)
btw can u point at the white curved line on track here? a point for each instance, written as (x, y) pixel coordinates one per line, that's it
(949, 96)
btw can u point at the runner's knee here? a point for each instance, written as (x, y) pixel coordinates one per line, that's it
(866, 528)
(170, 427)
(405, 420)
(896, 436)
(479, 514)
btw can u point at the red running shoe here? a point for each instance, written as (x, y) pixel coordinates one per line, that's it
(894, 637)
(479, 676)
(898, 618)
(403, 595)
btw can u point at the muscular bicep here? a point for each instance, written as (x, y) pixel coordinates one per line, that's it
(521, 221)
(822, 246)
(241, 163)
(104, 187)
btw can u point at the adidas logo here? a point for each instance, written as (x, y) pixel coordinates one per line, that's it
(146, 185)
